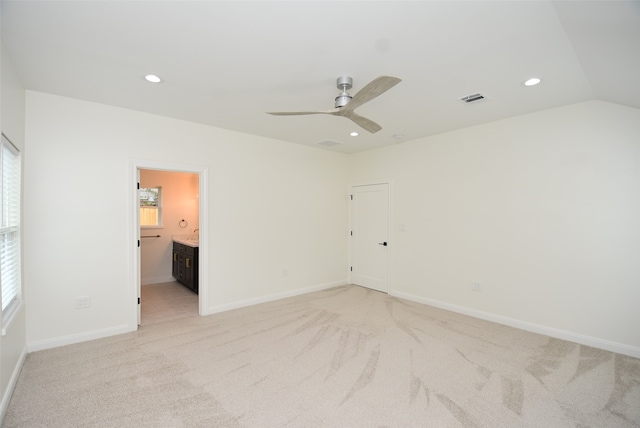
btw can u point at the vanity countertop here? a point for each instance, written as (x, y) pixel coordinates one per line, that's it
(189, 239)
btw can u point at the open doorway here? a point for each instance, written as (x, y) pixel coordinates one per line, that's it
(173, 208)
(169, 219)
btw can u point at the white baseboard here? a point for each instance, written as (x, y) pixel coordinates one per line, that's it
(112, 331)
(11, 386)
(595, 342)
(77, 338)
(264, 299)
(161, 280)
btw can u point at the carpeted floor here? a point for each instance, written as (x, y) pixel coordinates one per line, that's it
(344, 357)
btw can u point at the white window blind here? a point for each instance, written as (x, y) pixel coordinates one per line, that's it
(9, 225)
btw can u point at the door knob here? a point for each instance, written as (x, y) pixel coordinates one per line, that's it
(382, 243)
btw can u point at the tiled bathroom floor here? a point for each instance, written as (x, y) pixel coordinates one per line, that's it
(167, 301)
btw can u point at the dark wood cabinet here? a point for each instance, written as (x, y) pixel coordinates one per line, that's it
(185, 265)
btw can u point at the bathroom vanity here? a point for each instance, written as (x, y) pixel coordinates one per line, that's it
(185, 262)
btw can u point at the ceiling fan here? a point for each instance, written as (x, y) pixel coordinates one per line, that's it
(346, 104)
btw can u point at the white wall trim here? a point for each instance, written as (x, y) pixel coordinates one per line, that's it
(11, 386)
(77, 338)
(523, 325)
(272, 297)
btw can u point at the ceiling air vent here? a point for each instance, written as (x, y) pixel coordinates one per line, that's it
(328, 143)
(473, 98)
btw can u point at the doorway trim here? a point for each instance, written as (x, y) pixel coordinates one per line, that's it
(391, 236)
(135, 165)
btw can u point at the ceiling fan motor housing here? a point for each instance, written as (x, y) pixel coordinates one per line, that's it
(344, 83)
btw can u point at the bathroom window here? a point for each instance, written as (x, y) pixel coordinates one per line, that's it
(150, 207)
(10, 281)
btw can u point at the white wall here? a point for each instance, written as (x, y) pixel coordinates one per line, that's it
(13, 344)
(272, 206)
(543, 210)
(179, 202)
(540, 209)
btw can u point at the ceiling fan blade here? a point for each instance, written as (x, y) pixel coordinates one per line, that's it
(363, 122)
(374, 88)
(299, 113)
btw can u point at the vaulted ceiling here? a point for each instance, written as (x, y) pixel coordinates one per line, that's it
(227, 63)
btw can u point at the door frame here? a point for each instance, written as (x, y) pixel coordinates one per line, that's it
(389, 184)
(135, 165)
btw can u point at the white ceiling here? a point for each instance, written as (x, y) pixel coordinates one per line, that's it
(226, 63)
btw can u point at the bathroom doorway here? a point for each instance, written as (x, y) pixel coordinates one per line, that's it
(168, 210)
(170, 203)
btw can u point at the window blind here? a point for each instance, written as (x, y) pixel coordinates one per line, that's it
(9, 223)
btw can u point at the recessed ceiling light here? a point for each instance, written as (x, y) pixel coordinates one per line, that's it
(532, 82)
(354, 134)
(152, 78)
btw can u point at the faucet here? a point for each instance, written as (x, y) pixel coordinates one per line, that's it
(196, 230)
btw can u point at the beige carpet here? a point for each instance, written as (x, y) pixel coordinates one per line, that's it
(345, 357)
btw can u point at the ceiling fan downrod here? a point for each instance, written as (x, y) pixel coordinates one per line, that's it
(344, 83)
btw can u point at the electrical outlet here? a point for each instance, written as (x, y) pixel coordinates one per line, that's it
(476, 286)
(83, 302)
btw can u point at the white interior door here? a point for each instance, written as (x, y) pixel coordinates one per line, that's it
(370, 236)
